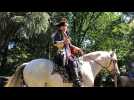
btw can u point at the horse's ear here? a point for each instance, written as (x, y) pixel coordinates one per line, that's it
(112, 53)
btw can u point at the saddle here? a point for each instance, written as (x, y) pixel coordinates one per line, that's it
(65, 71)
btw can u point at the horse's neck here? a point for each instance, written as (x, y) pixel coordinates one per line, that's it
(94, 64)
(92, 55)
(89, 70)
(96, 68)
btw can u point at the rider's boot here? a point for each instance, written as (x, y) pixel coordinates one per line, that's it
(76, 80)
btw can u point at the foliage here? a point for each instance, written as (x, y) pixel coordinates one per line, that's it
(92, 31)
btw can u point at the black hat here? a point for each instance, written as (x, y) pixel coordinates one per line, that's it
(62, 22)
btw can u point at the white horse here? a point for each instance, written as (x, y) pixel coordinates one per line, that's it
(38, 72)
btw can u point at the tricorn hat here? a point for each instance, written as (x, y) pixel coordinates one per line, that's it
(62, 22)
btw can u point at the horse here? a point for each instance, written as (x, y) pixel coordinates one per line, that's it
(38, 72)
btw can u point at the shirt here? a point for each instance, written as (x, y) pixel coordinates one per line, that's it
(59, 37)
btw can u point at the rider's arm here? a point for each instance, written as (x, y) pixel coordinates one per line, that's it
(74, 47)
(56, 41)
(77, 49)
(53, 37)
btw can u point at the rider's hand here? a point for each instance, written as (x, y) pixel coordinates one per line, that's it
(80, 51)
(67, 41)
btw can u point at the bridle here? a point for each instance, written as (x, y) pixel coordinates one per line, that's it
(104, 67)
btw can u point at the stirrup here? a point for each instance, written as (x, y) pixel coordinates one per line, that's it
(77, 83)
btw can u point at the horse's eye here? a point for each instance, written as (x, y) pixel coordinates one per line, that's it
(114, 61)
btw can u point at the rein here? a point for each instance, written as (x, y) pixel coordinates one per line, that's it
(115, 75)
(101, 64)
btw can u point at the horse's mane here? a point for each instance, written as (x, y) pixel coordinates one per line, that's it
(96, 54)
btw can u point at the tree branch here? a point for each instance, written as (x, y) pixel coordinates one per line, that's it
(85, 32)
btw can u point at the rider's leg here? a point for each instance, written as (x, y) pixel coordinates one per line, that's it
(74, 71)
(58, 59)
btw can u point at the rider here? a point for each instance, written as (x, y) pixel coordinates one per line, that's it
(70, 50)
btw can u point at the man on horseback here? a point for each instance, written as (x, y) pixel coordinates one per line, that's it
(61, 41)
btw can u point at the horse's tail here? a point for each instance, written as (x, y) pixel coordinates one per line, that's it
(16, 79)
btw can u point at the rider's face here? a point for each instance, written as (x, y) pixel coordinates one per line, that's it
(63, 28)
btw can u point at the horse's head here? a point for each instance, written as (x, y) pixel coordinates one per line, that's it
(102, 59)
(113, 66)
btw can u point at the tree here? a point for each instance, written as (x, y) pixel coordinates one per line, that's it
(8, 28)
(28, 34)
(23, 28)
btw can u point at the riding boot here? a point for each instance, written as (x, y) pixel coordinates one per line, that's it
(76, 80)
(74, 73)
